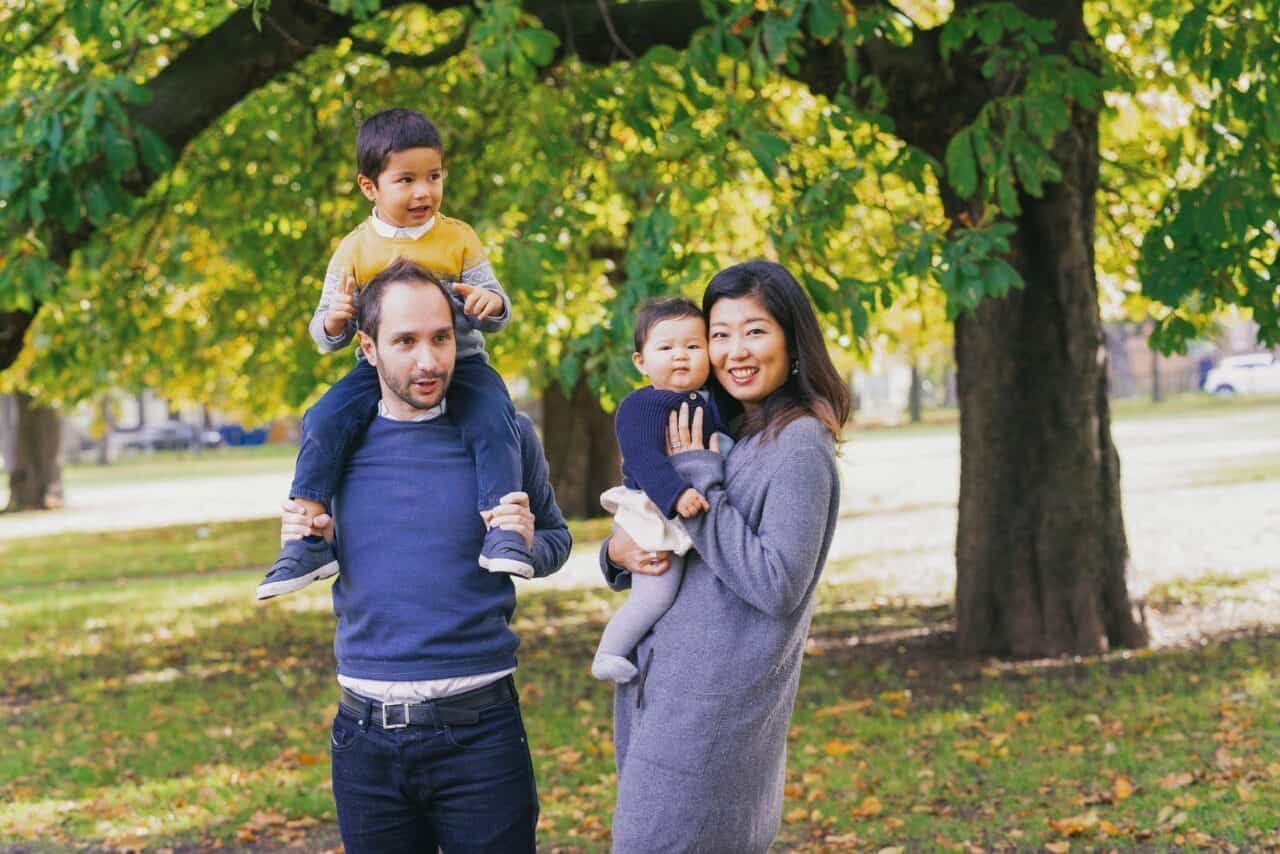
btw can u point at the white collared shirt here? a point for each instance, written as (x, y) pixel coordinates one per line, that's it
(420, 690)
(386, 229)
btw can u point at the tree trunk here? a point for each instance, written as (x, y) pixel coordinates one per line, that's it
(1041, 554)
(581, 449)
(35, 481)
(914, 403)
(1156, 397)
(8, 430)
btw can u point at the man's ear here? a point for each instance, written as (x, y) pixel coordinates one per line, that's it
(369, 348)
(368, 187)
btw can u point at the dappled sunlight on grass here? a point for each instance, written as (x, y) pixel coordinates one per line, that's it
(177, 709)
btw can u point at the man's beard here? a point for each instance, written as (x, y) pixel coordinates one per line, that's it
(402, 387)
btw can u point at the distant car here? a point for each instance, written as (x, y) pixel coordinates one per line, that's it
(1255, 373)
(170, 436)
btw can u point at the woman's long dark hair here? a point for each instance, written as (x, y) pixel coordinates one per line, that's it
(813, 386)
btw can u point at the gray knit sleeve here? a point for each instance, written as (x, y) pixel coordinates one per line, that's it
(772, 565)
(481, 276)
(326, 342)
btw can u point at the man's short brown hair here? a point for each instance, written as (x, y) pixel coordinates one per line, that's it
(369, 302)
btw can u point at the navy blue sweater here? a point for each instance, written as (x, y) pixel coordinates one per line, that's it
(412, 601)
(641, 424)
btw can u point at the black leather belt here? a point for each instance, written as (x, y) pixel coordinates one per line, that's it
(459, 710)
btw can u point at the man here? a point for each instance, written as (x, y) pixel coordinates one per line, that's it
(428, 746)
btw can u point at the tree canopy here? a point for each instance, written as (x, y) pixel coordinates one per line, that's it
(170, 253)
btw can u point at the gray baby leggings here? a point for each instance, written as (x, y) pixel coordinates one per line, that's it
(650, 597)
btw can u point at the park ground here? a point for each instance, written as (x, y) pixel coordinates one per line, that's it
(150, 704)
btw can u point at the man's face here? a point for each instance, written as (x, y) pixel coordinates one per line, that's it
(415, 350)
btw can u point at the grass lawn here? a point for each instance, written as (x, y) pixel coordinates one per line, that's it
(161, 465)
(143, 708)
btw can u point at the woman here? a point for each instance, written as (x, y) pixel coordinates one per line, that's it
(701, 733)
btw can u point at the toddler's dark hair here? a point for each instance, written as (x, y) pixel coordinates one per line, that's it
(654, 311)
(389, 131)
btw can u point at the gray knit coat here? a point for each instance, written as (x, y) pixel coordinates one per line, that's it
(701, 739)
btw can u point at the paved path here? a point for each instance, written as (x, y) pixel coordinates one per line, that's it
(899, 504)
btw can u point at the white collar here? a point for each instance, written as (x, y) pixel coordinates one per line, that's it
(386, 229)
(425, 415)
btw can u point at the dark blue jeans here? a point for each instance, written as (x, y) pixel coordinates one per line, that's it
(459, 788)
(477, 401)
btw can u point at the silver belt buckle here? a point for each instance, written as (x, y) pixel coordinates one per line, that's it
(405, 711)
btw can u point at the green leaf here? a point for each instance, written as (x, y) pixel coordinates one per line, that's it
(824, 19)
(767, 149)
(962, 171)
(118, 150)
(568, 371)
(154, 152)
(98, 203)
(537, 44)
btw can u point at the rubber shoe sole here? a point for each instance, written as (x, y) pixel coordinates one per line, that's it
(506, 565)
(268, 590)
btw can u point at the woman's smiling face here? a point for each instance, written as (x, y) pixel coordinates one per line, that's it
(748, 349)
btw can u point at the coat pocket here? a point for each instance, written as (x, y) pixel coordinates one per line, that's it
(678, 732)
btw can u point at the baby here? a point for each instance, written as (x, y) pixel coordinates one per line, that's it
(671, 352)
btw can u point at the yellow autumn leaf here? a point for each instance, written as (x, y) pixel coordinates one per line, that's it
(870, 806)
(837, 748)
(796, 815)
(842, 708)
(1061, 847)
(1246, 794)
(1122, 789)
(1076, 824)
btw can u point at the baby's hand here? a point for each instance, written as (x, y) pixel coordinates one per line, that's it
(342, 308)
(478, 302)
(691, 503)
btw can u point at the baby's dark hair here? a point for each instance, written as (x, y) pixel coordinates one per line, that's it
(654, 311)
(389, 131)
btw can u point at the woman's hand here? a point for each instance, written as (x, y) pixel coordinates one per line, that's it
(624, 552)
(682, 435)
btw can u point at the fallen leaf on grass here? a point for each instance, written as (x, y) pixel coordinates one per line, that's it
(837, 748)
(870, 806)
(1122, 788)
(842, 708)
(1060, 847)
(796, 815)
(1169, 782)
(1246, 794)
(1076, 824)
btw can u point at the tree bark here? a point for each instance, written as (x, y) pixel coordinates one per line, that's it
(581, 449)
(35, 481)
(1041, 555)
(915, 402)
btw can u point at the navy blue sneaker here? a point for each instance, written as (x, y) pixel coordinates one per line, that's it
(504, 551)
(300, 563)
